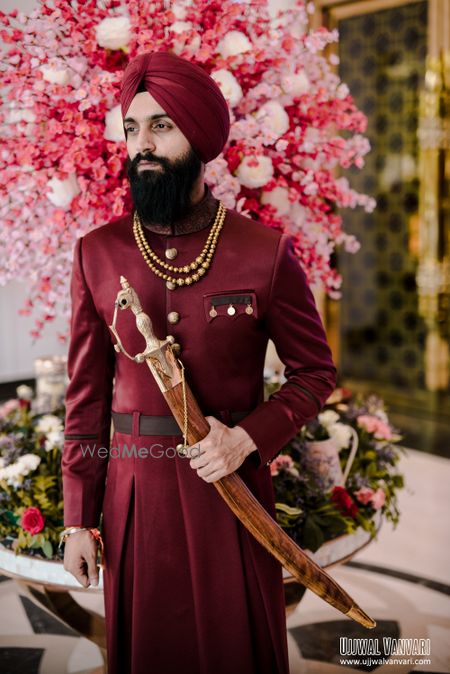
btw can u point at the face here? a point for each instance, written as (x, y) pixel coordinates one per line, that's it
(162, 167)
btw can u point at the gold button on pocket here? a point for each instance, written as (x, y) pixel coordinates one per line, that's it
(230, 304)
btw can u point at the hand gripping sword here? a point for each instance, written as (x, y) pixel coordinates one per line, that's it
(169, 374)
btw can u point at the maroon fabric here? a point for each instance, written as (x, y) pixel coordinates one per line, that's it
(186, 93)
(186, 587)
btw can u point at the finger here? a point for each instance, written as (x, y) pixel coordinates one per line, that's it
(80, 573)
(92, 568)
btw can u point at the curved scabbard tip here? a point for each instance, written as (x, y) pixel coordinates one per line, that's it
(362, 618)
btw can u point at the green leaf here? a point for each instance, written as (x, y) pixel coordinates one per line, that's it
(47, 549)
(313, 536)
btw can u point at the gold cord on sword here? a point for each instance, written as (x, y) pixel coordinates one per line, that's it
(182, 447)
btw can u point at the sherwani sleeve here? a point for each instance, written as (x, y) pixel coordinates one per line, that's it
(91, 360)
(294, 325)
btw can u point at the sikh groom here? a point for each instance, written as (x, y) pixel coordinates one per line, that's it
(186, 587)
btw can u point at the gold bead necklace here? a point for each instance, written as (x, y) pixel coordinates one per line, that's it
(199, 266)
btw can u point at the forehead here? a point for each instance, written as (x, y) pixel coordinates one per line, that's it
(144, 105)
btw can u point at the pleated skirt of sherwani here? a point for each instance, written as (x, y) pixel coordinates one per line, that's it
(187, 588)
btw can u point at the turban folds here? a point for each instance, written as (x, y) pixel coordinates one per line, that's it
(186, 93)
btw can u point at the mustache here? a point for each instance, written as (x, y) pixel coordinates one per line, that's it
(148, 157)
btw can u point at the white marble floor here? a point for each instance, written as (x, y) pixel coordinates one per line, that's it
(402, 580)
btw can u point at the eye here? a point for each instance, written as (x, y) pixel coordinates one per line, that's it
(129, 128)
(163, 125)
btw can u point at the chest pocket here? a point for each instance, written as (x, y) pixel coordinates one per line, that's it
(230, 305)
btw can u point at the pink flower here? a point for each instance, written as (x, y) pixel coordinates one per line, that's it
(8, 407)
(367, 495)
(364, 495)
(373, 424)
(378, 499)
(281, 462)
(32, 520)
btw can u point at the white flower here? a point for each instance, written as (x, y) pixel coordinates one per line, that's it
(341, 434)
(296, 84)
(49, 423)
(28, 463)
(255, 176)
(113, 32)
(56, 74)
(229, 86)
(179, 11)
(54, 439)
(15, 115)
(180, 27)
(328, 418)
(63, 191)
(114, 125)
(234, 43)
(298, 214)
(274, 116)
(24, 392)
(278, 197)
(275, 6)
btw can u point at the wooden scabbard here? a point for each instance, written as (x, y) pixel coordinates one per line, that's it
(258, 521)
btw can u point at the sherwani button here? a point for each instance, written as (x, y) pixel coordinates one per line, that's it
(171, 253)
(173, 317)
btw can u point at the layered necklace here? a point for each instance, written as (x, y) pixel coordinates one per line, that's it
(199, 266)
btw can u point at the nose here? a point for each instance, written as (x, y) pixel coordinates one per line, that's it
(145, 141)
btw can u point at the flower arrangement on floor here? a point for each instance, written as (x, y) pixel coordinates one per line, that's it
(311, 504)
(31, 506)
(63, 152)
(319, 493)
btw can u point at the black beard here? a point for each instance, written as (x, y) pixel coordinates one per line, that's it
(163, 195)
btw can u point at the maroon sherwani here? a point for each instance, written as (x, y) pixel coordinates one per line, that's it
(187, 588)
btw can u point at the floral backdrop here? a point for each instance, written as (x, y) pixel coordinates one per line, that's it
(63, 152)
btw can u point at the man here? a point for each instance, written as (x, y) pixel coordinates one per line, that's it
(186, 587)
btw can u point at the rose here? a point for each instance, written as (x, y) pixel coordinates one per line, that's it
(180, 27)
(278, 198)
(281, 462)
(328, 418)
(373, 424)
(114, 125)
(57, 74)
(296, 84)
(24, 392)
(229, 86)
(378, 499)
(274, 117)
(255, 171)
(341, 434)
(344, 502)
(234, 43)
(367, 495)
(32, 520)
(63, 191)
(113, 32)
(9, 407)
(364, 495)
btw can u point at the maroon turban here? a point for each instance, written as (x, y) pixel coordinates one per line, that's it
(186, 93)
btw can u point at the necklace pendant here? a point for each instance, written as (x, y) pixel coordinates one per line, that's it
(231, 310)
(249, 309)
(170, 285)
(212, 312)
(171, 253)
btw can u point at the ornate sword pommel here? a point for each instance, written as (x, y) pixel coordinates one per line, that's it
(157, 353)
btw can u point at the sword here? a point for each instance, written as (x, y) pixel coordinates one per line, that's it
(168, 372)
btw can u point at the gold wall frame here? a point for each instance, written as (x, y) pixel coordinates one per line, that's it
(433, 275)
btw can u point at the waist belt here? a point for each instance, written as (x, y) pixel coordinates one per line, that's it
(162, 425)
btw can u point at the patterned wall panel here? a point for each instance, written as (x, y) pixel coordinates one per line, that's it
(382, 59)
